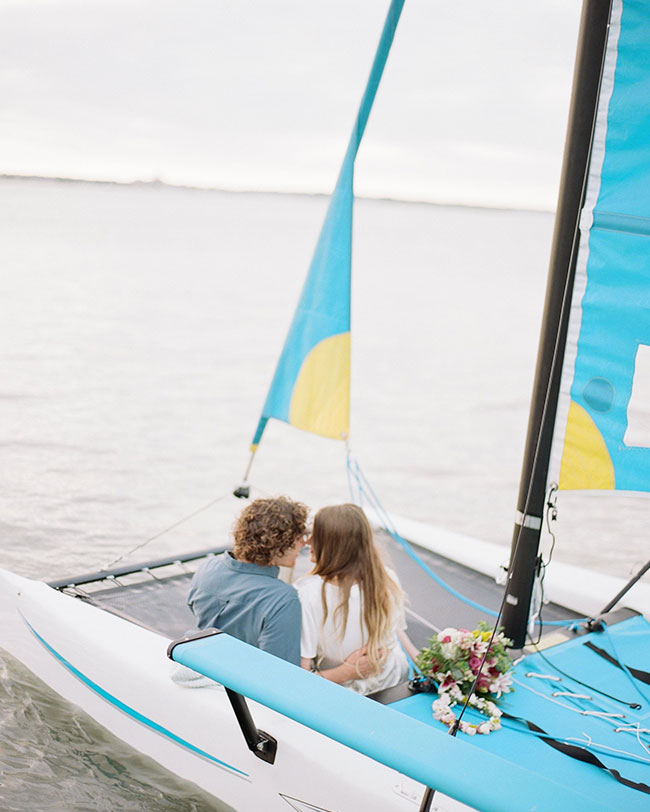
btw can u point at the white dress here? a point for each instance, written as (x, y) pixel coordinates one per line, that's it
(329, 648)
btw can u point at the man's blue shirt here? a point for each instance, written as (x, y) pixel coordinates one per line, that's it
(250, 603)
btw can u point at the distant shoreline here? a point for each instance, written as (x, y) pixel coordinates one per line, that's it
(156, 182)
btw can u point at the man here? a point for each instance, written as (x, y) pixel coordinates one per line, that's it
(240, 593)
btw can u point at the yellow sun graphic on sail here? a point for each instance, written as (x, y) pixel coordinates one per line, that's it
(586, 464)
(320, 402)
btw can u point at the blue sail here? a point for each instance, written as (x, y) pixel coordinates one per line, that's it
(602, 438)
(311, 385)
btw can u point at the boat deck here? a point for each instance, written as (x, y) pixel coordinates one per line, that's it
(569, 693)
(155, 596)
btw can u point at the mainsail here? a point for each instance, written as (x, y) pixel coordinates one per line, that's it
(311, 385)
(602, 434)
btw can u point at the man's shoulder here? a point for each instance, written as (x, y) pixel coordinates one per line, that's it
(285, 592)
(210, 567)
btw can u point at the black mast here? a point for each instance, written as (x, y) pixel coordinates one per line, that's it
(530, 503)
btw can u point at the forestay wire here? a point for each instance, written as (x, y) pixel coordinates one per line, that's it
(176, 524)
(362, 492)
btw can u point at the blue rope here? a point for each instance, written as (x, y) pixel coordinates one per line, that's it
(364, 488)
(413, 667)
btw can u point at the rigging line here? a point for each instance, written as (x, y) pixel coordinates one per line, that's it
(531, 728)
(456, 725)
(265, 493)
(608, 718)
(361, 479)
(642, 676)
(585, 755)
(348, 472)
(407, 547)
(580, 682)
(638, 730)
(422, 620)
(563, 704)
(587, 742)
(366, 488)
(626, 670)
(551, 516)
(166, 530)
(615, 752)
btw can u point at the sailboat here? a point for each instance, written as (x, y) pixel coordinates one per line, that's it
(259, 733)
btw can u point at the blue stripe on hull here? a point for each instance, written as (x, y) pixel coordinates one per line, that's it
(130, 711)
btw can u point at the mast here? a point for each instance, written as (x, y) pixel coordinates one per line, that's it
(592, 40)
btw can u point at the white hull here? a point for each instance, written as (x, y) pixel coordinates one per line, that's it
(119, 674)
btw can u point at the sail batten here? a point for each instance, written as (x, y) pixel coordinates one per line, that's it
(612, 221)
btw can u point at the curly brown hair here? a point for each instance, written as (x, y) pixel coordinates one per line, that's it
(267, 528)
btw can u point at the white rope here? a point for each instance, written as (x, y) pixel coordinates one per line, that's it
(543, 676)
(590, 744)
(587, 741)
(545, 696)
(422, 620)
(636, 728)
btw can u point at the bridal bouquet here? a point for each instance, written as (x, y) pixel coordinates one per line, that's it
(453, 659)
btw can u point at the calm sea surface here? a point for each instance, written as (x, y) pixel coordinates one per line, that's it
(140, 327)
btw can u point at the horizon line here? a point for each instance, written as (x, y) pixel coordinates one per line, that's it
(225, 190)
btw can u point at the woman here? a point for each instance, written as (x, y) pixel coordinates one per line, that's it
(352, 606)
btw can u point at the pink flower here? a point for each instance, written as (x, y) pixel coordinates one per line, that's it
(474, 663)
(446, 682)
(483, 683)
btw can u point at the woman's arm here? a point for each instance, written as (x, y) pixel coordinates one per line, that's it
(355, 666)
(408, 645)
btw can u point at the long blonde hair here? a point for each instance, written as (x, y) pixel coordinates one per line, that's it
(345, 554)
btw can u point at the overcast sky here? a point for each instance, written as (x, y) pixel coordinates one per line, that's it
(261, 94)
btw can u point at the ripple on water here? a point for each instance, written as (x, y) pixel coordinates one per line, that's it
(53, 757)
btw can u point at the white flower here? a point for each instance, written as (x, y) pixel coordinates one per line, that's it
(449, 650)
(442, 711)
(466, 641)
(449, 634)
(480, 647)
(456, 693)
(500, 684)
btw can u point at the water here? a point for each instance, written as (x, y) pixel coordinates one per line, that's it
(140, 328)
(53, 757)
